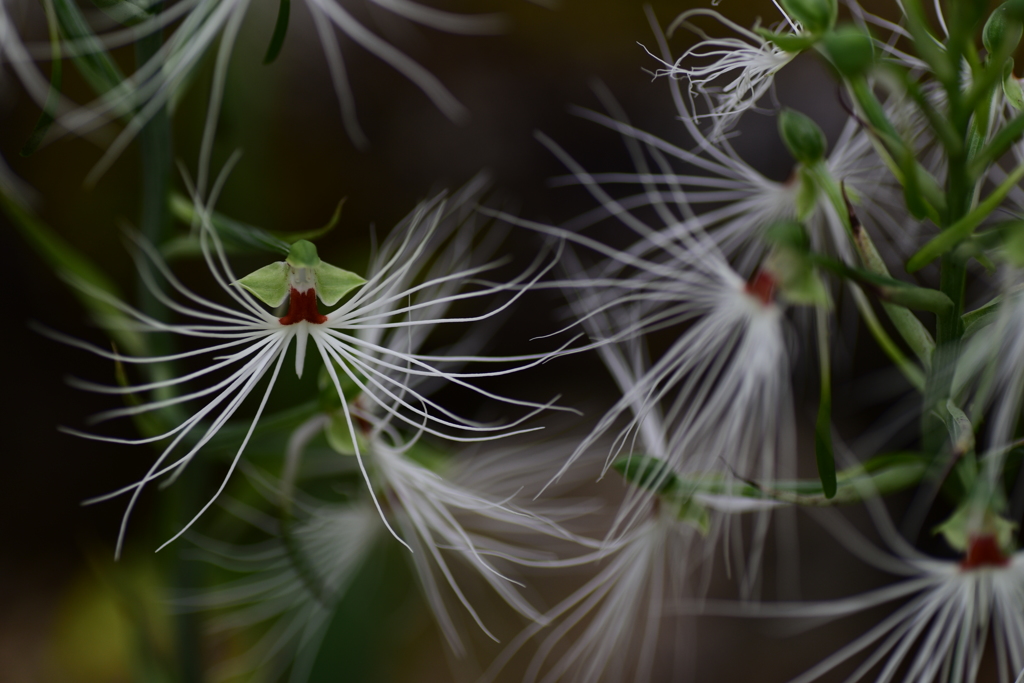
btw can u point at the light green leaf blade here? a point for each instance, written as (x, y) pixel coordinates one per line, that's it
(269, 284)
(332, 283)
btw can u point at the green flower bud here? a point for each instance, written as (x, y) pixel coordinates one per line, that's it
(339, 436)
(802, 136)
(851, 50)
(1011, 87)
(303, 255)
(1003, 28)
(815, 16)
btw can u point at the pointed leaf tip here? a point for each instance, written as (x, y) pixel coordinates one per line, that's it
(280, 31)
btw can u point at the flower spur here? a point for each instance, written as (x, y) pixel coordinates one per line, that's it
(256, 341)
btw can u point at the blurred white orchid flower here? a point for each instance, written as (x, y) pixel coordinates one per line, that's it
(358, 342)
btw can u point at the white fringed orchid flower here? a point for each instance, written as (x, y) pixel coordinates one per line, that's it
(731, 74)
(724, 381)
(192, 29)
(617, 618)
(620, 613)
(735, 203)
(955, 613)
(942, 631)
(368, 344)
(445, 508)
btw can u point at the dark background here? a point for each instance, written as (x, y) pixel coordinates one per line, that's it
(62, 612)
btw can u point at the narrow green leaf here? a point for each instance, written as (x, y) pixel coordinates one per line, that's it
(241, 234)
(962, 229)
(917, 298)
(1013, 92)
(961, 431)
(310, 235)
(92, 59)
(928, 47)
(913, 194)
(981, 316)
(823, 427)
(1001, 142)
(148, 423)
(647, 471)
(125, 12)
(888, 289)
(232, 231)
(942, 126)
(923, 194)
(65, 259)
(883, 474)
(841, 203)
(913, 331)
(53, 97)
(787, 42)
(823, 448)
(280, 31)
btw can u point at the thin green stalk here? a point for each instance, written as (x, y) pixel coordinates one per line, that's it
(823, 428)
(949, 327)
(154, 224)
(909, 368)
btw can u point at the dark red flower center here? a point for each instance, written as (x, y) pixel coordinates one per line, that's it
(762, 285)
(984, 551)
(302, 306)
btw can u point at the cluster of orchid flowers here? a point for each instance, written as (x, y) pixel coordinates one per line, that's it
(742, 280)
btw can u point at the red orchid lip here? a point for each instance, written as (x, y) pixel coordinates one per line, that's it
(762, 285)
(983, 551)
(302, 307)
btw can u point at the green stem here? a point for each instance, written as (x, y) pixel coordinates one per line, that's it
(823, 429)
(949, 329)
(909, 368)
(155, 150)
(952, 275)
(154, 224)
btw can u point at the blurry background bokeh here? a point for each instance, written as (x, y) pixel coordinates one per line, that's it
(68, 613)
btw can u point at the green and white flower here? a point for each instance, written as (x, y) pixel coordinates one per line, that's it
(364, 343)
